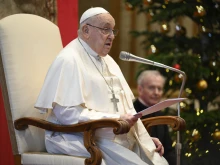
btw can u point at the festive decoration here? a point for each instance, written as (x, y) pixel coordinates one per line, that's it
(200, 11)
(148, 2)
(204, 29)
(176, 66)
(166, 1)
(195, 135)
(216, 135)
(178, 78)
(184, 106)
(151, 13)
(164, 28)
(202, 85)
(180, 30)
(128, 6)
(216, 5)
(213, 64)
(153, 49)
(196, 52)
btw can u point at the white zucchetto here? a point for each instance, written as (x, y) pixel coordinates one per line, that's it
(91, 12)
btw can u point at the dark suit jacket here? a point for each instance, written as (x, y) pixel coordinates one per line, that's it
(159, 131)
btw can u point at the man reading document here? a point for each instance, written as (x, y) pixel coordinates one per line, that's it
(85, 83)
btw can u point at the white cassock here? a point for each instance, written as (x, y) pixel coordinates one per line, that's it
(77, 92)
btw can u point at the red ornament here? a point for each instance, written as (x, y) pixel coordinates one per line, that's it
(176, 66)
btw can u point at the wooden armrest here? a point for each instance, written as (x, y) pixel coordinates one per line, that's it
(89, 128)
(177, 123)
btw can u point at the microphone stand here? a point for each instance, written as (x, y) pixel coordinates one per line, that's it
(129, 57)
(178, 143)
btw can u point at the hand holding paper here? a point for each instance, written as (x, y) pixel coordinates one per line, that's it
(159, 106)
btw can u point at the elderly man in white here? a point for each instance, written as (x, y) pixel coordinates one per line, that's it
(85, 83)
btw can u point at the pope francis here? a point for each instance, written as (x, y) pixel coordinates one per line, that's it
(85, 83)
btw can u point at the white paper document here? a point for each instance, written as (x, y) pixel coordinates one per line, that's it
(161, 105)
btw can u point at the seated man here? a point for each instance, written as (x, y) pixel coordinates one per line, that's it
(80, 86)
(150, 86)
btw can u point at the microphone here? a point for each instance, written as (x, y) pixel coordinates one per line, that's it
(125, 56)
(130, 57)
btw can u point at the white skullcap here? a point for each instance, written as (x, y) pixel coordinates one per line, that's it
(91, 12)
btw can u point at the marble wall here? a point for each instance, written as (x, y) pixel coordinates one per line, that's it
(44, 8)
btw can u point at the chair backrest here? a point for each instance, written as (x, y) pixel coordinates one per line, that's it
(28, 45)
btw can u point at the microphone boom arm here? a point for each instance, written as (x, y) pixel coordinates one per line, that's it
(129, 57)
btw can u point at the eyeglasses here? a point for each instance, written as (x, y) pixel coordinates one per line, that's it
(106, 31)
(153, 89)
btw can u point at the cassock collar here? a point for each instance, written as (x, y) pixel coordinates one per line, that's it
(89, 49)
(142, 102)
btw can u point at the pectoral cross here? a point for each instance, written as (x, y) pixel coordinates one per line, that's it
(115, 100)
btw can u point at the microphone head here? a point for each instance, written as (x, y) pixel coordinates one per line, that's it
(124, 56)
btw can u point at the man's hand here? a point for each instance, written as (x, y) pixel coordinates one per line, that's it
(131, 119)
(159, 146)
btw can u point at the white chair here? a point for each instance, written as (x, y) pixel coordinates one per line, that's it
(28, 45)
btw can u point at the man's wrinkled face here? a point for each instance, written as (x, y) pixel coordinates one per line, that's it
(151, 90)
(99, 40)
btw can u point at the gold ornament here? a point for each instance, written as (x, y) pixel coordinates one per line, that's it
(195, 135)
(200, 11)
(184, 106)
(204, 29)
(153, 49)
(202, 85)
(216, 135)
(164, 28)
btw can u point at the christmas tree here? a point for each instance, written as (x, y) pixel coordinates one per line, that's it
(198, 55)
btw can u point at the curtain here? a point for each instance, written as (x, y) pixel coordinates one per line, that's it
(6, 151)
(68, 23)
(67, 19)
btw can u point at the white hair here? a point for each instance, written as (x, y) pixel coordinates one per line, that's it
(148, 73)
